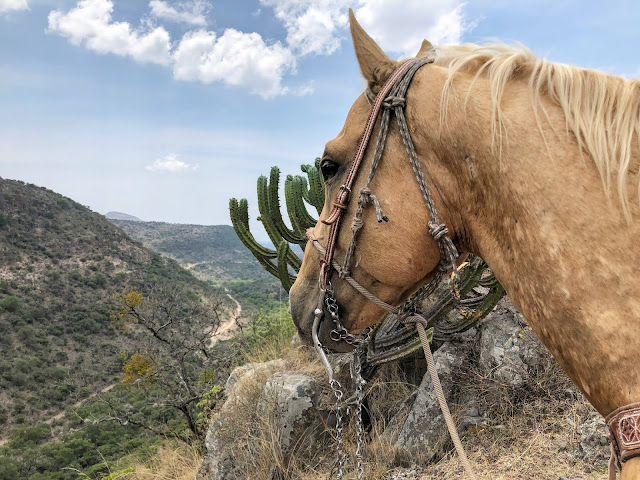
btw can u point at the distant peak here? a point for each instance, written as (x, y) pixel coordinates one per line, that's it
(121, 216)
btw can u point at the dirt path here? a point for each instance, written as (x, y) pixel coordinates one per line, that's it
(228, 327)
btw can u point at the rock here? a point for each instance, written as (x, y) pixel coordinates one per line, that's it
(249, 370)
(509, 349)
(594, 441)
(218, 463)
(424, 431)
(288, 400)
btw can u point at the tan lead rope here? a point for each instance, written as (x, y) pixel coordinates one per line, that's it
(444, 408)
(421, 325)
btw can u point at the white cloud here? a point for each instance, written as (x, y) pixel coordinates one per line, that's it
(244, 59)
(318, 26)
(171, 164)
(90, 22)
(312, 26)
(236, 58)
(401, 25)
(7, 5)
(192, 12)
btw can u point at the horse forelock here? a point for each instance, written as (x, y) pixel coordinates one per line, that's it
(601, 110)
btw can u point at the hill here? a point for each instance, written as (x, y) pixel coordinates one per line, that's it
(211, 252)
(60, 265)
(121, 216)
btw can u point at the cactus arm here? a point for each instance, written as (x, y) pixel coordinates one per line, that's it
(283, 271)
(316, 186)
(243, 212)
(300, 211)
(289, 194)
(306, 193)
(263, 207)
(268, 222)
(274, 210)
(238, 211)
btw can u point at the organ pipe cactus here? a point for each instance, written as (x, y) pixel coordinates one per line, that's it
(299, 192)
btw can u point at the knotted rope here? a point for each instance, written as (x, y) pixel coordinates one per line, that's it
(395, 102)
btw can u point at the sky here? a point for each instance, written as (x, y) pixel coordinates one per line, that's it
(166, 109)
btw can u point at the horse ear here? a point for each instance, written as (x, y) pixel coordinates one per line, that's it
(375, 65)
(425, 49)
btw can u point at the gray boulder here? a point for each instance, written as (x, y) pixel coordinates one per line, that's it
(424, 431)
(288, 401)
(217, 463)
(509, 350)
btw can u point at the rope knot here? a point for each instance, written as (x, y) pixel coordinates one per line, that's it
(438, 230)
(414, 319)
(393, 102)
(366, 196)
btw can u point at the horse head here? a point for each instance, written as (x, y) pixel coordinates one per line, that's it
(395, 255)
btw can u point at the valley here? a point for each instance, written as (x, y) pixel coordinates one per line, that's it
(66, 345)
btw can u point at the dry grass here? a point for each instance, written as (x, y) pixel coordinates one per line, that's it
(529, 445)
(533, 431)
(171, 462)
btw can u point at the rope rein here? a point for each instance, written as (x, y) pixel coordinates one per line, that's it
(391, 99)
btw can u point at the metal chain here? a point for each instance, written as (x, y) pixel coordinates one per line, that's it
(340, 455)
(359, 382)
(340, 333)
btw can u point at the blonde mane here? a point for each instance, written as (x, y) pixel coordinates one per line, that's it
(602, 111)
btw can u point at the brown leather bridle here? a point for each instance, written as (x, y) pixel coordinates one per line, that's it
(392, 96)
(342, 200)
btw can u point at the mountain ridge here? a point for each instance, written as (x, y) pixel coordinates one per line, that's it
(209, 251)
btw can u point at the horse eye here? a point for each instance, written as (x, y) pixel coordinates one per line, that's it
(328, 169)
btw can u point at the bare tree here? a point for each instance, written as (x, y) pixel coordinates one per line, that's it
(172, 368)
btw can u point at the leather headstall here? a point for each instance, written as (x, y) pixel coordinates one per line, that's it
(340, 205)
(624, 431)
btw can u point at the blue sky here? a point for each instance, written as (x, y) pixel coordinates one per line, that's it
(166, 109)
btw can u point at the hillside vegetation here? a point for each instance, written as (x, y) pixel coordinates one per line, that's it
(60, 265)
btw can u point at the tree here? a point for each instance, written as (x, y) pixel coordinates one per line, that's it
(170, 380)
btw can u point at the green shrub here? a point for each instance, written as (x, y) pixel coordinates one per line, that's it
(10, 303)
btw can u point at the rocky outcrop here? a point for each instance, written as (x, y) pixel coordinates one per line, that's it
(218, 462)
(289, 401)
(424, 430)
(509, 351)
(502, 352)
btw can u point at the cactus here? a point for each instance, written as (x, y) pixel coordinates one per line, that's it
(297, 192)
(239, 213)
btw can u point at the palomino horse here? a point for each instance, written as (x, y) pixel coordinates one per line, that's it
(533, 166)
